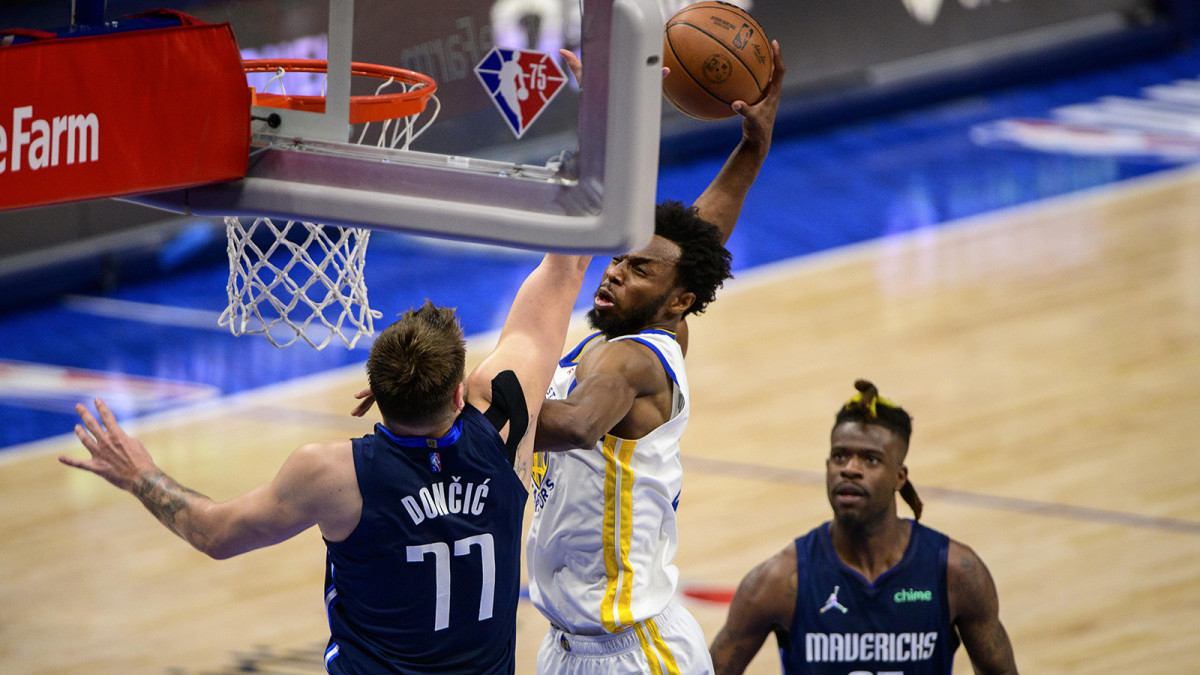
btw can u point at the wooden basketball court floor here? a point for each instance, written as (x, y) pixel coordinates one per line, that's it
(1050, 355)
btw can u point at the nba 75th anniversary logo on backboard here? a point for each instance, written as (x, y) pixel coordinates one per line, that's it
(521, 84)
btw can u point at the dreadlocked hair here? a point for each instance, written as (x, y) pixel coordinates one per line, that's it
(704, 263)
(868, 407)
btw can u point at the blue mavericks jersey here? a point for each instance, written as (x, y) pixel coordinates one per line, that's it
(429, 580)
(899, 624)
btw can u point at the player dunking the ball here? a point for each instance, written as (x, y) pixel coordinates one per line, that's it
(422, 518)
(607, 471)
(903, 595)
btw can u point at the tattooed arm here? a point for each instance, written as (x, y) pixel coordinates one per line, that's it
(315, 486)
(765, 601)
(975, 612)
(165, 498)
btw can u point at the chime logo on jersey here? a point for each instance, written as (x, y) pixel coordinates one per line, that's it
(913, 595)
(521, 83)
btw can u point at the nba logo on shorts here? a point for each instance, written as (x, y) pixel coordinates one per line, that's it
(521, 84)
(435, 462)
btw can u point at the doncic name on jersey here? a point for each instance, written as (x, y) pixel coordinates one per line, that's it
(442, 499)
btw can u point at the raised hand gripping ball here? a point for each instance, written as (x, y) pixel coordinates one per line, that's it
(717, 54)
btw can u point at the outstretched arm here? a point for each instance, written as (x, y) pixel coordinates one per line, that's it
(296, 499)
(975, 608)
(721, 203)
(765, 600)
(532, 341)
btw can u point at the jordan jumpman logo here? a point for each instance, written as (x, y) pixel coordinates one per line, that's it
(832, 602)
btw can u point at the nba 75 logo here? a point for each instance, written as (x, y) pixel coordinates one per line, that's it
(521, 83)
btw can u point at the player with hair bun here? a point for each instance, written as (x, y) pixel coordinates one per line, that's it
(868, 591)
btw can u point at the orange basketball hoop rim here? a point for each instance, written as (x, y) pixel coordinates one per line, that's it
(373, 108)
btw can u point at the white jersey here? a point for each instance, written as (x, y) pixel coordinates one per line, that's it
(603, 537)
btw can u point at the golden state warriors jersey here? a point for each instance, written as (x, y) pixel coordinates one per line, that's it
(603, 537)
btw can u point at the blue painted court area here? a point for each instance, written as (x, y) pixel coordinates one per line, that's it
(818, 191)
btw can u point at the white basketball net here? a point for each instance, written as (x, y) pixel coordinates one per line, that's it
(305, 280)
(313, 291)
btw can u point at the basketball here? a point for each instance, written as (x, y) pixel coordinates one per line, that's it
(717, 54)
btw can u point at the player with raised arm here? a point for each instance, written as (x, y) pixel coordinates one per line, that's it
(903, 595)
(608, 474)
(422, 518)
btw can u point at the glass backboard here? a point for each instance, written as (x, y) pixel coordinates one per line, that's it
(518, 153)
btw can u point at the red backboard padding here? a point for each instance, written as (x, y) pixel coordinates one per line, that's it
(121, 114)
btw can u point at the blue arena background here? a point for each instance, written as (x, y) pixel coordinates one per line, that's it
(891, 164)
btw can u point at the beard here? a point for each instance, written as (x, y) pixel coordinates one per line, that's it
(863, 518)
(850, 521)
(615, 324)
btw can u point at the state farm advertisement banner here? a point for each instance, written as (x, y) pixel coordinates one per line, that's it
(120, 114)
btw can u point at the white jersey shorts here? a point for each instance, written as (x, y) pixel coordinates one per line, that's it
(668, 644)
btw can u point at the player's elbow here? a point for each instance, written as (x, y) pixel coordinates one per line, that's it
(212, 543)
(566, 432)
(584, 437)
(585, 431)
(220, 552)
(573, 437)
(212, 547)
